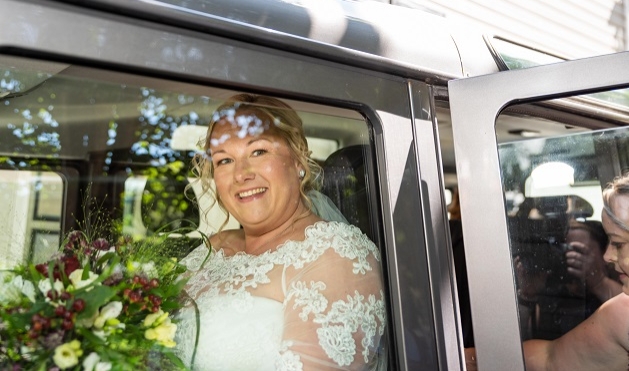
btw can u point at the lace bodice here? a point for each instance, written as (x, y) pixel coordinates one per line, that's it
(312, 304)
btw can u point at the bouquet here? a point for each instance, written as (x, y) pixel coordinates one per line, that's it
(96, 305)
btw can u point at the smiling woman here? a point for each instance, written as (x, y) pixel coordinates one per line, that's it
(288, 290)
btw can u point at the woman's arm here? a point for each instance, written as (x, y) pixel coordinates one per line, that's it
(335, 312)
(598, 343)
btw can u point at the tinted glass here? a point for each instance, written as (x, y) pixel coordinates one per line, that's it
(82, 147)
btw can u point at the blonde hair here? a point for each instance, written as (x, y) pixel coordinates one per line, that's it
(618, 186)
(285, 122)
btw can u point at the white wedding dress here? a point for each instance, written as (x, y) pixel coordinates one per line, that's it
(308, 305)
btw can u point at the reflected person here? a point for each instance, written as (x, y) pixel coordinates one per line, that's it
(584, 259)
(601, 342)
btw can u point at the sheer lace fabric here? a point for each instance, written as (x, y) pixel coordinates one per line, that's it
(312, 304)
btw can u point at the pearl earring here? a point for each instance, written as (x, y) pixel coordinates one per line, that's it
(302, 173)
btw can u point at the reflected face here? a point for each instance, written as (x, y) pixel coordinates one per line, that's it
(255, 173)
(618, 249)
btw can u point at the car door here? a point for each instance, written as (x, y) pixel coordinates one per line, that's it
(585, 133)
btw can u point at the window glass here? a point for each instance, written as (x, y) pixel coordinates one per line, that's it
(553, 173)
(81, 147)
(513, 56)
(33, 205)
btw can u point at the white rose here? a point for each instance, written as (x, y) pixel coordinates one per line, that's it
(77, 281)
(109, 311)
(26, 287)
(92, 363)
(13, 286)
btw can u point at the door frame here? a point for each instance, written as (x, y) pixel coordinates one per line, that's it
(475, 104)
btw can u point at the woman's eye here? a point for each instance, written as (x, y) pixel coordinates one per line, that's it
(223, 161)
(617, 245)
(258, 152)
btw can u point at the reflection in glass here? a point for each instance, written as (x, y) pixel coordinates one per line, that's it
(558, 183)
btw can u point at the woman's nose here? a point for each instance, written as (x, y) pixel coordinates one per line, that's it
(243, 171)
(610, 254)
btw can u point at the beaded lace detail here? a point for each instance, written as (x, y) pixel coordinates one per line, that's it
(306, 305)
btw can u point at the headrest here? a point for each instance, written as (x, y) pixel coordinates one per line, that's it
(345, 184)
(167, 204)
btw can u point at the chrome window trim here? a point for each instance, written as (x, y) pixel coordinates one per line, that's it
(475, 104)
(440, 257)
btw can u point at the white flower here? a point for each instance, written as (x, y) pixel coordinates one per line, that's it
(162, 329)
(164, 333)
(45, 286)
(27, 288)
(8, 292)
(155, 318)
(109, 311)
(67, 355)
(101, 334)
(27, 352)
(92, 363)
(101, 253)
(77, 280)
(87, 322)
(12, 286)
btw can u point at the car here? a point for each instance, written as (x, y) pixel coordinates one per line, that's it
(105, 102)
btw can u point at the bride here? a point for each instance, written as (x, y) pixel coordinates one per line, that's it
(289, 290)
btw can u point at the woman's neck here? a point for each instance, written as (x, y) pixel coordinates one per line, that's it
(293, 228)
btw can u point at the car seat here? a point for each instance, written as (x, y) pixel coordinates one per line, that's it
(345, 183)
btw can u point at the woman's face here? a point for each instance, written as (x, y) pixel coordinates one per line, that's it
(618, 248)
(256, 176)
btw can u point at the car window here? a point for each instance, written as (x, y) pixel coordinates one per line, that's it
(83, 147)
(553, 174)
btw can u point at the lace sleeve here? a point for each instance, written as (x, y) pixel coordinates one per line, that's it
(334, 314)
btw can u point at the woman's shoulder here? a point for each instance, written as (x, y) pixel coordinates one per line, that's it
(338, 229)
(616, 308)
(614, 317)
(346, 240)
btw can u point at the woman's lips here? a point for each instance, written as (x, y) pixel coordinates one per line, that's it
(251, 193)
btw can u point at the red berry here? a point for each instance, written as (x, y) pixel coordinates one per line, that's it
(155, 300)
(65, 295)
(154, 282)
(78, 305)
(37, 326)
(143, 281)
(60, 311)
(68, 324)
(135, 296)
(51, 294)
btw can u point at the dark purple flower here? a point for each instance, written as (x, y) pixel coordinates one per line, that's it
(42, 268)
(71, 263)
(53, 340)
(101, 244)
(76, 240)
